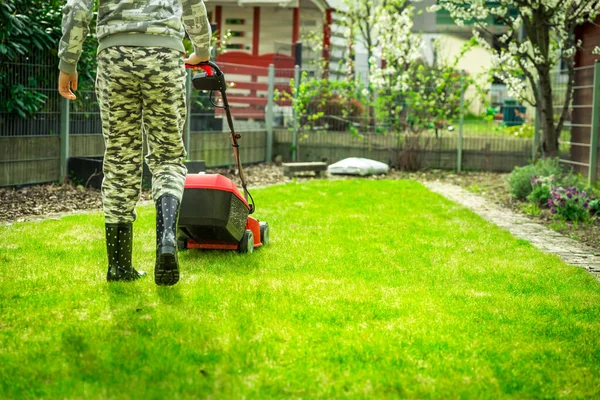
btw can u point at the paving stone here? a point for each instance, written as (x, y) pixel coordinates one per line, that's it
(541, 237)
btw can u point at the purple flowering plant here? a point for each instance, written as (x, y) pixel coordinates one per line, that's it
(569, 203)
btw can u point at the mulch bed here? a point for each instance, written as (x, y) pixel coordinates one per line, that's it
(39, 201)
(42, 201)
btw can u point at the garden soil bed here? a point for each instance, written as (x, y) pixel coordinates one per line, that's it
(43, 201)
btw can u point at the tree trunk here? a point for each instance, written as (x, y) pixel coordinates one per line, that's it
(550, 134)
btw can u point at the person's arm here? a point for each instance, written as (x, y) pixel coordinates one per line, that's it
(197, 27)
(75, 27)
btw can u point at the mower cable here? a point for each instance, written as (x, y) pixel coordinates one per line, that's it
(212, 102)
(251, 198)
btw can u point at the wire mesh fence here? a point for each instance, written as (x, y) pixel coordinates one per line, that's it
(326, 127)
(30, 102)
(84, 115)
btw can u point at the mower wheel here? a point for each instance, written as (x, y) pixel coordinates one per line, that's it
(247, 242)
(181, 244)
(264, 233)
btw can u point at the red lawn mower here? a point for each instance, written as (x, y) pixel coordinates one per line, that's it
(213, 213)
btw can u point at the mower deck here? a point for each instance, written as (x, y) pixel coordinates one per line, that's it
(214, 215)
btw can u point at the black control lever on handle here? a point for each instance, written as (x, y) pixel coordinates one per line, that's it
(209, 77)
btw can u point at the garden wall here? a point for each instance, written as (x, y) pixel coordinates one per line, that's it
(36, 159)
(29, 160)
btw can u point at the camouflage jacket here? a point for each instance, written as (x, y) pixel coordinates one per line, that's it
(139, 23)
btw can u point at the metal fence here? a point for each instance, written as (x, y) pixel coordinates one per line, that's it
(35, 149)
(33, 84)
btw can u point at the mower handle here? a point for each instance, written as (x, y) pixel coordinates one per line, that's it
(211, 64)
(217, 82)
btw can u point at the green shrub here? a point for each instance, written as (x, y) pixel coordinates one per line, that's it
(594, 207)
(521, 180)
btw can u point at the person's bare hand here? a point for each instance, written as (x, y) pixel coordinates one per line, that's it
(194, 59)
(66, 83)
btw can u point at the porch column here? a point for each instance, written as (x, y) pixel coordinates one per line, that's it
(327, 39)
(296, 26)
(256, 32)
(255, 44)
(219, 20)
(295, 29)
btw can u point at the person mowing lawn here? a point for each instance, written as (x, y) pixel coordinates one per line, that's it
(140, 86)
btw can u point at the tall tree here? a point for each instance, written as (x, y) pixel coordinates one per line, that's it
(540, 33)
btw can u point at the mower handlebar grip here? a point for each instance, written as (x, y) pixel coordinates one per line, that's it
(212, 65)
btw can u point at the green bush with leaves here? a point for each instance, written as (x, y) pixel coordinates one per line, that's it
(594, 207)
(333, 105)
(29, 36)
(30, 31)
(521, 179)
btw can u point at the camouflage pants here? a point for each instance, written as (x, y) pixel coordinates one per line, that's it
(140, 91)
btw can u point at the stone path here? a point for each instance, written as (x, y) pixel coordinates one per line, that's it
(545, 239)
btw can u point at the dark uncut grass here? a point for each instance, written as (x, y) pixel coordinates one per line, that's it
(368, 289)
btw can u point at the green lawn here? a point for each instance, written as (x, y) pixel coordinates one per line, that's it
(368, 289)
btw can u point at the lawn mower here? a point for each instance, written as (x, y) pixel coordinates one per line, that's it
(213, 213)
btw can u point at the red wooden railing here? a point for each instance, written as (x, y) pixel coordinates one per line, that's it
(243, 72)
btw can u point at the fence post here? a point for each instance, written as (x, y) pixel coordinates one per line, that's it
(461, 122)
(536, 136)
(269, 114)
(188, 118)
(296, 116)
(64, 139)
(595, 125)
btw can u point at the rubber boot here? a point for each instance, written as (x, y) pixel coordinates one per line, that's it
(119, 241)
(166, 270)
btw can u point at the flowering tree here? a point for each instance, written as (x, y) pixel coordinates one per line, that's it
(411, 95)
(373, 23)
(540, 33)
(363, 20)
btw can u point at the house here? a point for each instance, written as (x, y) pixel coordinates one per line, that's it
(265, 32)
